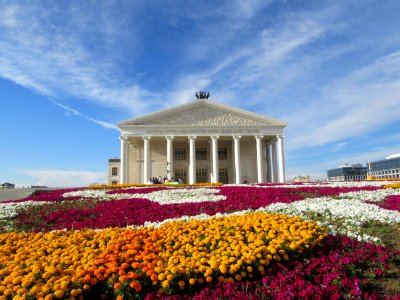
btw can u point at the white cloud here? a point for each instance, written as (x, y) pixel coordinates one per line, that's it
(359, 103)
(258, 63)
(38, 53)
(103, 124)
(247, 8)
(185, 87)
(8, 16)
(339, 146)
(70, 111)
(63, 178)
(265, 61)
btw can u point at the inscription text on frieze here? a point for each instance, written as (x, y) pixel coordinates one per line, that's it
(202, 131)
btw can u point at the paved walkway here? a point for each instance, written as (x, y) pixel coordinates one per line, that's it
(15, 194)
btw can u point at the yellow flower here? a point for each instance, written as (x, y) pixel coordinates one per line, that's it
(165, 284)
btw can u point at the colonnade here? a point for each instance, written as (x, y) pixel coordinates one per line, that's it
(268, 149)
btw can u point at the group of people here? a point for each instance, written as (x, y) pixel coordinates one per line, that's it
(161, 180)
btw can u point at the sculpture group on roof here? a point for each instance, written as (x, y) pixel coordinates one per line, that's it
(202, 95)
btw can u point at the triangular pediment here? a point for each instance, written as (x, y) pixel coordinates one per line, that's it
(204, 112)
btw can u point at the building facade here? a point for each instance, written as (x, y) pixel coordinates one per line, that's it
(348, 173)
(7, 185)
(114, 171)
(302, 178)
(202, 141)
(387, 168)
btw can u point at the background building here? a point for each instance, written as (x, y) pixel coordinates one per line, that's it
(202, 141)
(348, 173)
(7, 185)
(114, 166)
(387, 168)
(302, 178)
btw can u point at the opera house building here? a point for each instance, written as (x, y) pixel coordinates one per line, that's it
(202, 141)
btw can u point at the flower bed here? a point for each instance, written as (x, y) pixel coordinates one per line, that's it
(175, 255)
(391, 203)
(340, 269)
(158, 241)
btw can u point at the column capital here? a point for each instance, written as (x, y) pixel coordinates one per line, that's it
(169, 137)
(214, 137)
(147, 138)
(192, 137)
(258, 137)
(123, 138)
(236, 137)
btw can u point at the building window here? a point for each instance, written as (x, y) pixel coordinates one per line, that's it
(223, 175)
(180, 154)
(180, 174)
(222, 154)
(201, 175)
(114, 182)
(114, 171)
(201, 154)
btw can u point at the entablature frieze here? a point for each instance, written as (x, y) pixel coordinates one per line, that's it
(199, 131)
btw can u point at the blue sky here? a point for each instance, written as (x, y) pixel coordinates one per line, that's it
(71, 70)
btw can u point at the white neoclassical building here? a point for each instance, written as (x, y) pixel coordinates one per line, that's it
(202, 141)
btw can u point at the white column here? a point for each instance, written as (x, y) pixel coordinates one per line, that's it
(170, 163)
(274, 162)
(192, 160)
(137, 175)
(214, 149)
(281, 159)
(260, 168)
(269, 162)
(236, 141)
(146, 159)
(124, 160)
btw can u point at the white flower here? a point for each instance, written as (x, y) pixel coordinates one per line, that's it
(372, 196)
(168, 196)
(346, 215)
(9, 210)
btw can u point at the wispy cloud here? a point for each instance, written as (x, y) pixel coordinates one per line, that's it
(102, 123)
(63, 178)
(81, 59)
(257, 65)
(70, 111)
(359, 103)
(54, 60)
(271, 66)
(339, 146)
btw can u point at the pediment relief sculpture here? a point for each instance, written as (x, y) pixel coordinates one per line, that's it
(204, 116)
